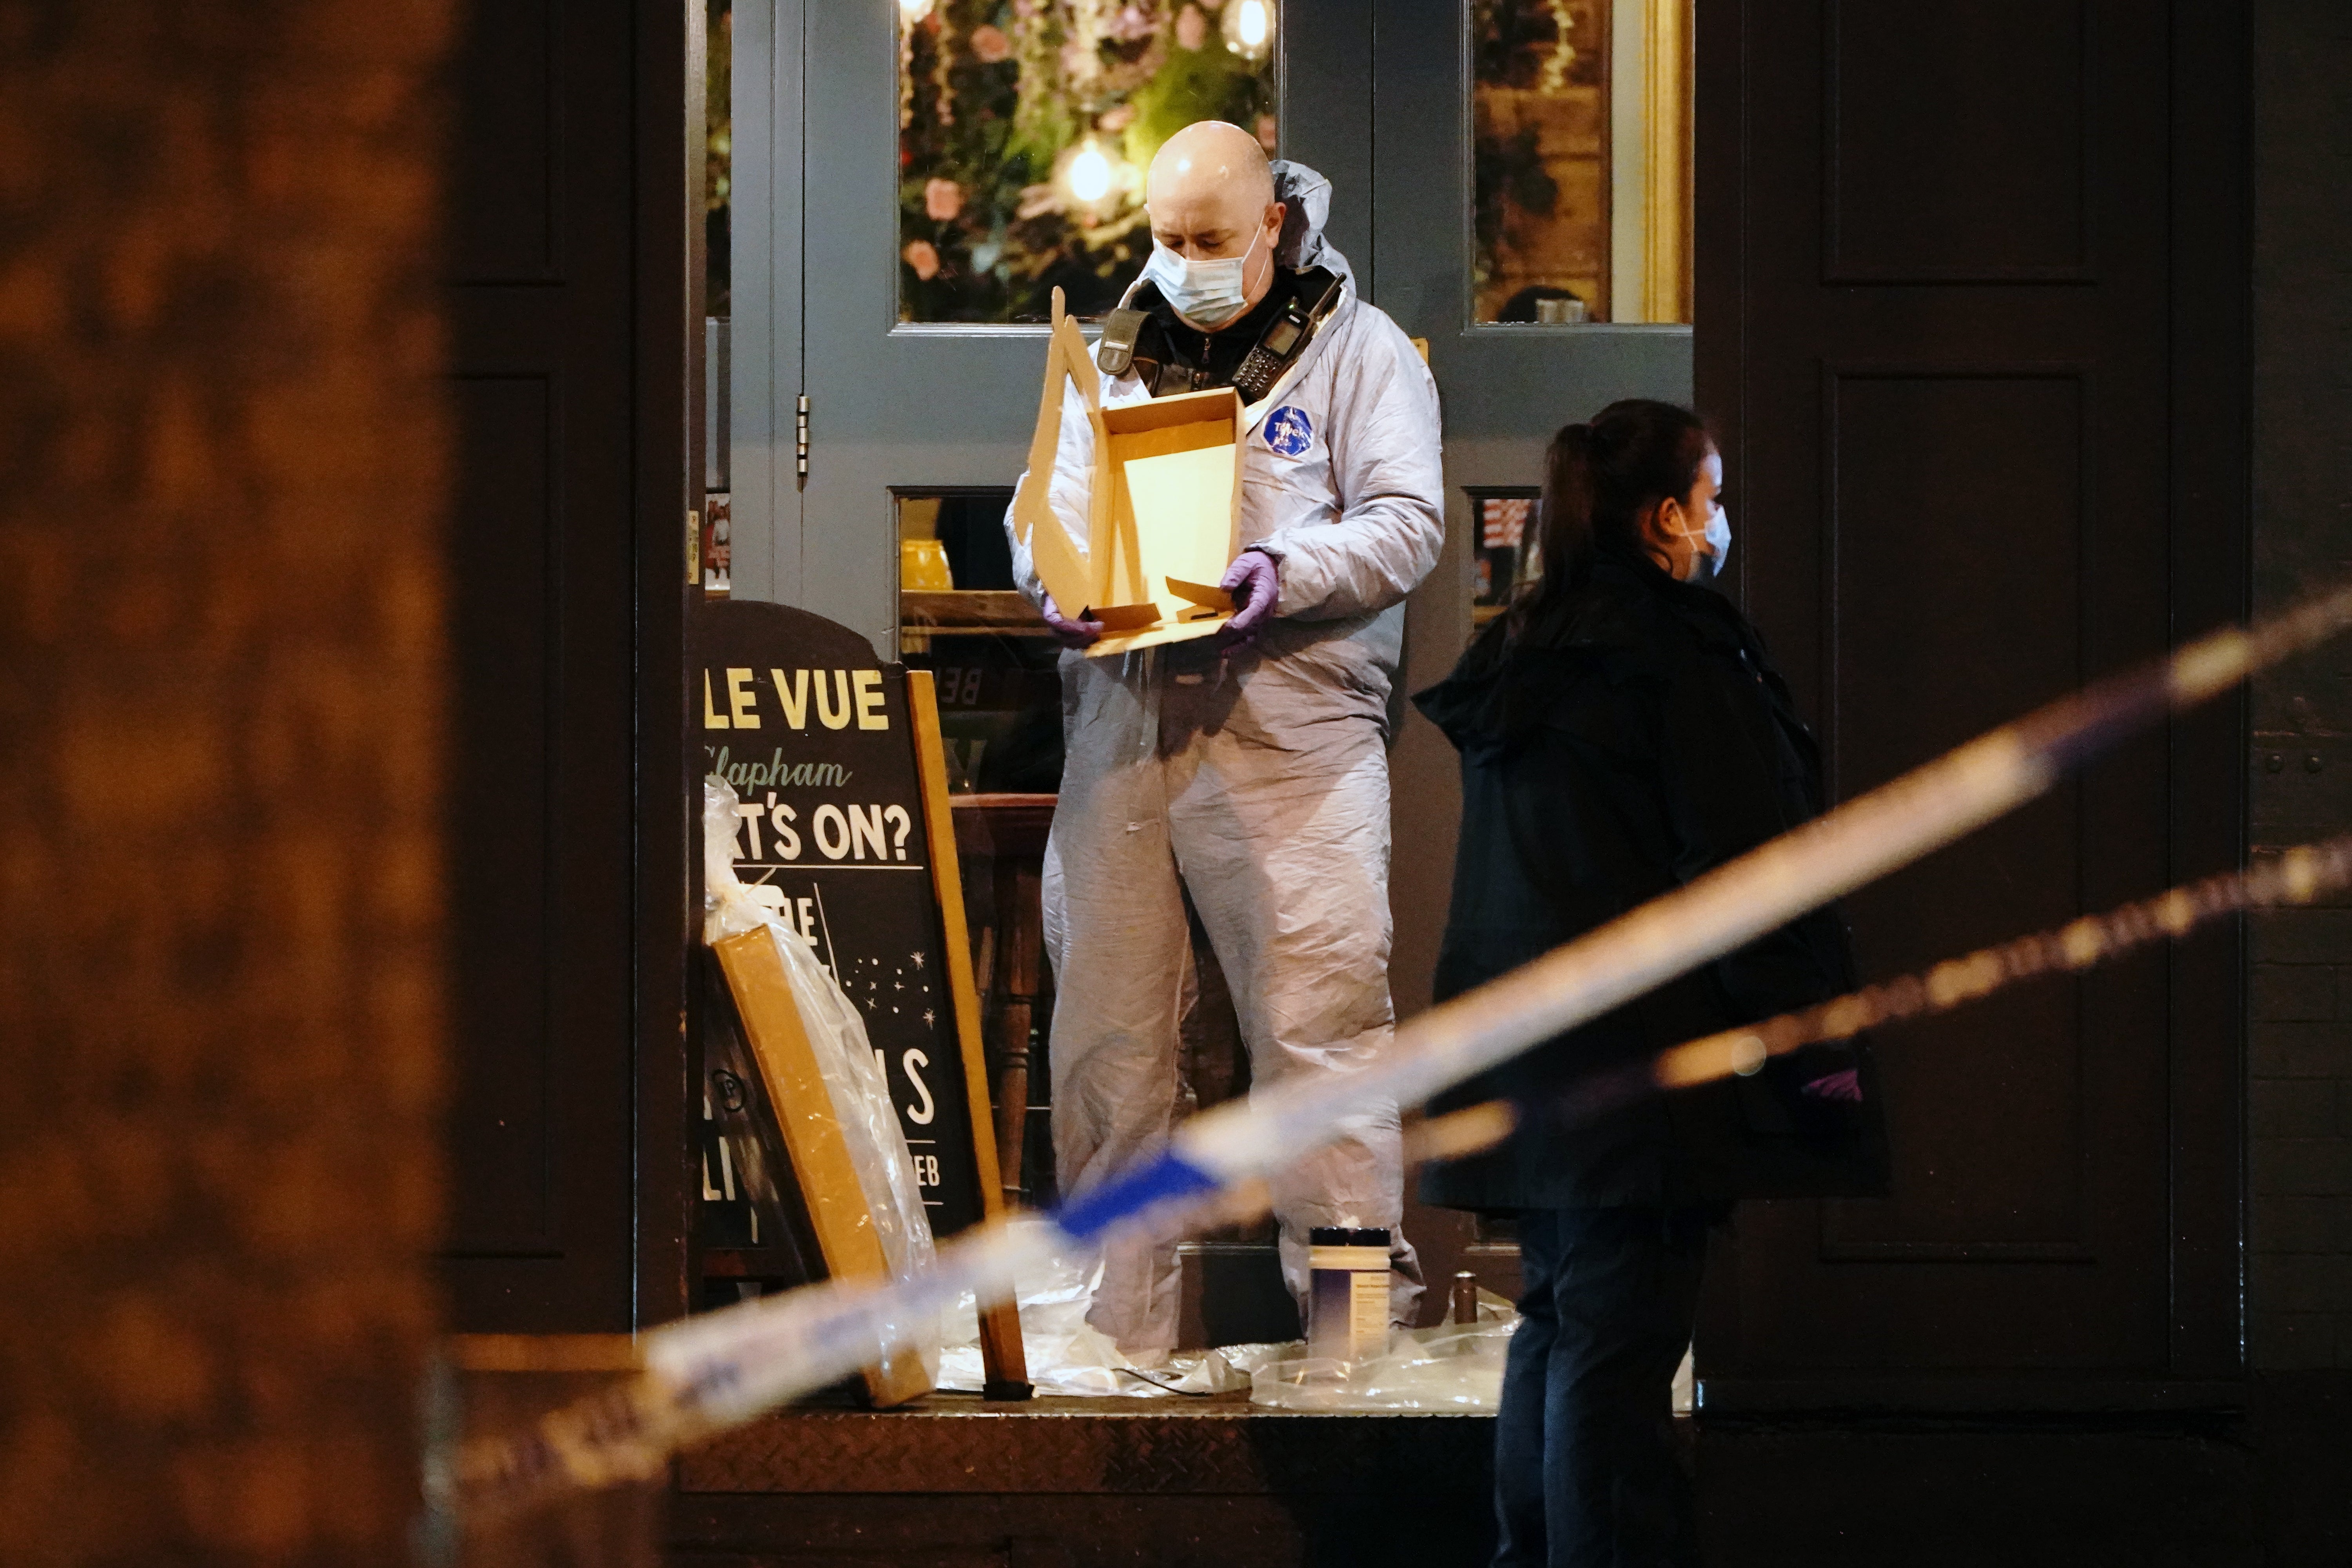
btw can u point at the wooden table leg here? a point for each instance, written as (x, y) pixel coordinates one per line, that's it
(1020, 952)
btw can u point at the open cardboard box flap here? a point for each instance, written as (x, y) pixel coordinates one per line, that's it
(1164, 505)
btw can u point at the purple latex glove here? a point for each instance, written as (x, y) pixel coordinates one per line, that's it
(1069, 632)
(1839, 1086)
(1256, 582)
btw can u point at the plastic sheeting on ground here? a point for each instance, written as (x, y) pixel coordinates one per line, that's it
(1067, 1356)
(1452, 1367)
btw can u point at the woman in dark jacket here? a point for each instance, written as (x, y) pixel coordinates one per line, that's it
(1622, 732)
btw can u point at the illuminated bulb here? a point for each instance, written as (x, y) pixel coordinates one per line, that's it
(1089, 174)
(1249, 23)
(913, 11)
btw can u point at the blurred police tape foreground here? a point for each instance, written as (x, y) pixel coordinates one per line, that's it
(705, 1373)
(2295, 877)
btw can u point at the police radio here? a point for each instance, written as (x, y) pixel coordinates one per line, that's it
(1291, 329)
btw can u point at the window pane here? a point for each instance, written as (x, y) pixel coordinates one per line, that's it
(1580, 113)
(994, 667)
(1026, 127)
(1507, 555)
(961, 618)
(718, 157)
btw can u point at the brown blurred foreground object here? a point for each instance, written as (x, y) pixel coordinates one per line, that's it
(221, 685)
(494, 1385)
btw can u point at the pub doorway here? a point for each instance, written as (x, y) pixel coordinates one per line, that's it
(906, 186)
(1979, 371)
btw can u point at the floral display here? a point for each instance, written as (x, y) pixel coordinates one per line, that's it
(1024, 130)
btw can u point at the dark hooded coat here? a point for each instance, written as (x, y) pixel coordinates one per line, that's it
(1628, 739)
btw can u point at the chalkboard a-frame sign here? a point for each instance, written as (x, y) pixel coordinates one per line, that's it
(845, 830)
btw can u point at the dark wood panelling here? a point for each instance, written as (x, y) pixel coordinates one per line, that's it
(1945, 264)
(501, 1133)
(1921, 461)
(667, 307)
(2208, 475)
(1958, 146)
(1928, 466)
(503, 207)
(543, 579)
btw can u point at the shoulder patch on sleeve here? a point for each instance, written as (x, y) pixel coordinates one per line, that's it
(1288, 430)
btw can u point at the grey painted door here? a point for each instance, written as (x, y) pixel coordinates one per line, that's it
(1504, 389)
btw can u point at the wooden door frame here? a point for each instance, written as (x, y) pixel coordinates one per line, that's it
(669, 293)
(2209, 545)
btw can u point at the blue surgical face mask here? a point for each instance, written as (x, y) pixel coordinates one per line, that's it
(1210, 292)
(1716, 549)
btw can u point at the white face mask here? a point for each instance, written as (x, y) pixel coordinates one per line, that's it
(1211, 292)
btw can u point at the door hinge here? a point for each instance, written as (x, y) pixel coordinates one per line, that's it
(800, 439)
(693, 549)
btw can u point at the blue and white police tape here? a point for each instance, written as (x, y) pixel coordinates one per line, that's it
(707, 1372)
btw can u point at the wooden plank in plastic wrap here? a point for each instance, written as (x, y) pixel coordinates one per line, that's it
(813, 1137)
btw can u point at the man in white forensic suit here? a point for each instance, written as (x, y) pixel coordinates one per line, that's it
(1248, 771)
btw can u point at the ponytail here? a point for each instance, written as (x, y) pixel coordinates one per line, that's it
(1599, 481)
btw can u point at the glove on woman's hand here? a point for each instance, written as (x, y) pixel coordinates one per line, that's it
(1069, 632)
(1254, 582)
(1845, 1087)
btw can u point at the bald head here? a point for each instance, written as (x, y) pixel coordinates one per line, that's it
(1211, 195)
(1210, 157)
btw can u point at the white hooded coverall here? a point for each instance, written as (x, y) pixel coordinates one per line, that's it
(1259, 777)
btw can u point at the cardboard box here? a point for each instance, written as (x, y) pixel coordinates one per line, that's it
(1164, 513)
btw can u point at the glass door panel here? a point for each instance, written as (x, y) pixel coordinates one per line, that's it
(1000, 689)
(1503, 556)
(1024, 130)
(1506, 388)
(1580, 144)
